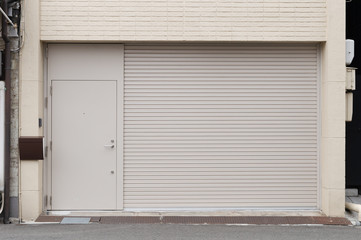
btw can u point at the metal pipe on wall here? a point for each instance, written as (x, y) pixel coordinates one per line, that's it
(7, 80)
(2, 137)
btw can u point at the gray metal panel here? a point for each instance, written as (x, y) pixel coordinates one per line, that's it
(86, 65)
(75, 220)
(221, 126)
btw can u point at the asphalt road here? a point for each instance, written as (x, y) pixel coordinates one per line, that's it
(176, 232)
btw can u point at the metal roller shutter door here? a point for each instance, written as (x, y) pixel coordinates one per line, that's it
(221, 126)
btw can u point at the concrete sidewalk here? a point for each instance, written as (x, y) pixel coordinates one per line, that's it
(175, 232)
(355, 199)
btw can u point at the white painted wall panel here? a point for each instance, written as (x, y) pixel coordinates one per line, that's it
(221, 126)
(178, 20)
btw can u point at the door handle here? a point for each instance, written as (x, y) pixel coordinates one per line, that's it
(111, 145)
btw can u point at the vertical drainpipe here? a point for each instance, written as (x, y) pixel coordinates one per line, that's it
(7, 68)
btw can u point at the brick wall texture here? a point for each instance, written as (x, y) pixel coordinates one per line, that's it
(183, 20)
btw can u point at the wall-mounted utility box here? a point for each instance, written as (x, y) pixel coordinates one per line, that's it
(350, 78)
(31, 148)
(350, 51)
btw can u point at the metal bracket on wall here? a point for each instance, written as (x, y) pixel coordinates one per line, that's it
(46, 151)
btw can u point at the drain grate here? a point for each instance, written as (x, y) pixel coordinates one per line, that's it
(130, 220)
(256, 220)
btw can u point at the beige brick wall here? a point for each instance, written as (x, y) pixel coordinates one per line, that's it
(192, 20)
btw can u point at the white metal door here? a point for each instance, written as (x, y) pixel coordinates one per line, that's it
(85, 92)
(221, 126)
(83, 145)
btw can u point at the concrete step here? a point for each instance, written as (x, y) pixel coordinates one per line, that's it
(351, 192)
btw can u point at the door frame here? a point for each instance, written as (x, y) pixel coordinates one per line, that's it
(47, 172)
(120, 126)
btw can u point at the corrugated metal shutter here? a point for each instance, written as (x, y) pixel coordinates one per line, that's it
(221, 126)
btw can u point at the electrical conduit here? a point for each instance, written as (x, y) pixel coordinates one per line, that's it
(2, 143)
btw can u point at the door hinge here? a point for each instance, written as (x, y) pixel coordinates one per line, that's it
(46, 151)
(51, 90)
(46, 200)
(46, 52)
(51, 200)
(51, 145)
(46, 102)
